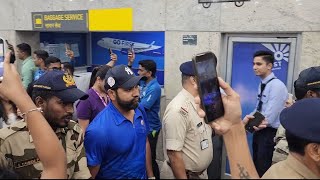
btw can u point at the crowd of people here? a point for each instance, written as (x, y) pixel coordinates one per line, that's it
(117, 125)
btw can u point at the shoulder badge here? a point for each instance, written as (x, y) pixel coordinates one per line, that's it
(183, 111)
(8, 131)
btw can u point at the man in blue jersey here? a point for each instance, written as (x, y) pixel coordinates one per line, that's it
(116, 141)
(150, 99)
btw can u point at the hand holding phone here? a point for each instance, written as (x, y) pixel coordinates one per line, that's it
(67, 46)
(110, 51)
(256, 121)
(10, 46)
(113, 56)
(131, 50)
(208, 85)
(131, 56)
(69, 52)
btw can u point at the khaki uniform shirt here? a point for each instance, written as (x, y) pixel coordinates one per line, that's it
(290, 168)
(184, 130)
(17, 151)
(281, 149)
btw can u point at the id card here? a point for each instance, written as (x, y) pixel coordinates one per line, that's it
(204, 144)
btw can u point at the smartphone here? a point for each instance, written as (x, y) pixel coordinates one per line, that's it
(12, 57)
(9, 46)
(67, 46)
(256, 121)
(131, 49)
(208, 85)
(2, 54)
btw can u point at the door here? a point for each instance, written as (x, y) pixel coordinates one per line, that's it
(239, 71)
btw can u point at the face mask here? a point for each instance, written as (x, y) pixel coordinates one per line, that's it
(144, 78)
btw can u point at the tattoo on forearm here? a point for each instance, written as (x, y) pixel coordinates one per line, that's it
(243, 174)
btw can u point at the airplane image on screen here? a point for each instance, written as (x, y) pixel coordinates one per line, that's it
(139, 48)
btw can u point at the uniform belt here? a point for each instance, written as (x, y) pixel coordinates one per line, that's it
(188, 172)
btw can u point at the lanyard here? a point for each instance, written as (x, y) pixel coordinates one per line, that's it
(101, 98)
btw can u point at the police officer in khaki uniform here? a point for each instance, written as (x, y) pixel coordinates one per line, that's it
(302, 125)
(55, 93)
(188, 148)
(281, 150)
(306, 86)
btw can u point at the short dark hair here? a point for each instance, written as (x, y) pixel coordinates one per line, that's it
(42, 54)
(24, 47)
(44, 94)
(51, 59)
(296, 144)
(267, 56)
(67, 65)
(99, 71)
(184, 78)
(300, 92)
(149, 65)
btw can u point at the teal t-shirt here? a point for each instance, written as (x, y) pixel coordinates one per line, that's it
(27, 70)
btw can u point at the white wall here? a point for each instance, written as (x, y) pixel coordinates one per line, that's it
(182, 15)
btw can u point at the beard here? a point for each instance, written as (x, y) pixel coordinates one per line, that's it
(54, 121)
(127, 105)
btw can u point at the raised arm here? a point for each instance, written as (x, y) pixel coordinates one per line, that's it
(47, 145)
(131, 57)
(234, 135)
(113, 59)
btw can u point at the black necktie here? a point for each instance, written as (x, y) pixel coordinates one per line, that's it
(262, 86)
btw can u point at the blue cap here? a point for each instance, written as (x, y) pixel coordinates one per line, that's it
(309, 79)
(302, 119)
(61, 84)
(187, 68)
(121, 76)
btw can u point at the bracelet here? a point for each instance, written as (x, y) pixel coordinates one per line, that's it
(31, 110)
(152, 177)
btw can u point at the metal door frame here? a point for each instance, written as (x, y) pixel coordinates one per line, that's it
(226, 54)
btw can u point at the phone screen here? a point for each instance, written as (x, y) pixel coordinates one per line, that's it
(208, 85)
(1, 56)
